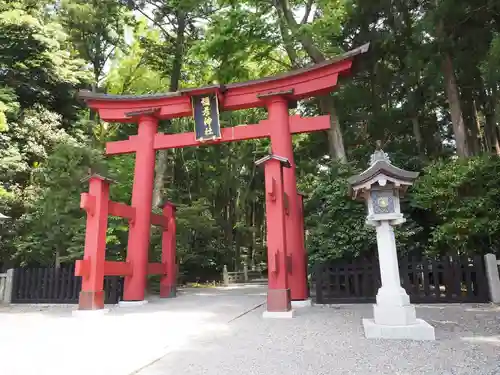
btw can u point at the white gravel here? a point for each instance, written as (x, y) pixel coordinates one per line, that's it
(220, 331)
(329, 340)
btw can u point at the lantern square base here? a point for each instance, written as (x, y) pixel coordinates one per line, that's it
(394, 315)
(421, 331)
(91, 300)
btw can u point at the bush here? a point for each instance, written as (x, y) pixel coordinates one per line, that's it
(462, 199)
(336, 223)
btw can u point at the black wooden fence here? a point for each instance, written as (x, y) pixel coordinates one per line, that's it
(57, 285)
(442, 280)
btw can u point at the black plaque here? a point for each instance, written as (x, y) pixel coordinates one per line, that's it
(206, 117)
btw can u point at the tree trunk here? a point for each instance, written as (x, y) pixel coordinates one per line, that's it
(162, 155)
(491, 133)
(305, 39)
(470, 118)
(57, 259)
(327, 104)
(335, 139)
(417, 133)
(287, 40)
(253, 245)
(487, 106)
(453, 98)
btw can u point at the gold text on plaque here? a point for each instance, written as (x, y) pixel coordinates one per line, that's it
(207, 118)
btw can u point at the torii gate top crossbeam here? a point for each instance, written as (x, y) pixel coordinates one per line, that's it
(302, 83)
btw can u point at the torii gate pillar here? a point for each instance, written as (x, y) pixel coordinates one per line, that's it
(142, 196)
(278, 293)
(281, 144)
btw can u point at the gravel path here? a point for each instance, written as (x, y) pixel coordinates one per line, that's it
(221, 331)
(48, 340)
(329, 340)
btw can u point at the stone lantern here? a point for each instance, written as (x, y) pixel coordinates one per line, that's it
(381, 186)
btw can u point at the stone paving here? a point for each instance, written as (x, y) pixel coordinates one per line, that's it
(221, 331)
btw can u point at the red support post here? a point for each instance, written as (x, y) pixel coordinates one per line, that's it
(278, 294)
(168, 282)
(96, 203)
(142, 197)
(281, 144)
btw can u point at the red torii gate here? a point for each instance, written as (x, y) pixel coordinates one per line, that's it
(274, 93)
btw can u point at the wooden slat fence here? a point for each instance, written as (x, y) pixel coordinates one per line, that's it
(57, 285)
(426, 280)
(343, 282)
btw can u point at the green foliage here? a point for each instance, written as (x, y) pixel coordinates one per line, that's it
(53, 229)
(35, 61)
(462, 198)
(48, 139)
(335, 222)
(130, 72)
(97, 29)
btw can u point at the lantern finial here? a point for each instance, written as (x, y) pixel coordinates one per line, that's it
(379, 154)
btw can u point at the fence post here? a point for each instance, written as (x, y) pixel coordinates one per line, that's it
(9, 284)
(491, 265)
(245, 273)
(225, 276)
(318, 278)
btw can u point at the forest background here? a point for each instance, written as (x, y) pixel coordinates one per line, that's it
(428, 90)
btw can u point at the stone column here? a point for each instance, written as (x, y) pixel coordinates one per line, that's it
(9, 284)
(491, 265)
(245, 273)
(225, 276)
(391, 292)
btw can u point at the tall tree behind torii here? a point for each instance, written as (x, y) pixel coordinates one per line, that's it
(176, 22)
(293, 30)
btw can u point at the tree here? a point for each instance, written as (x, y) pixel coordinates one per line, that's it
(97, 29)
(35, 62)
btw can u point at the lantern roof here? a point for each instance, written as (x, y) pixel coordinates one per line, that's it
(380, 171)
(380, 163)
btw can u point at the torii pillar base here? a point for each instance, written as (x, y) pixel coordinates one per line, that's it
(91, 300)
(278, 314)
(279, 304)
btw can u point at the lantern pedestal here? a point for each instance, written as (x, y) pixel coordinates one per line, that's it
(394, 316)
